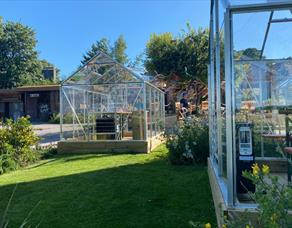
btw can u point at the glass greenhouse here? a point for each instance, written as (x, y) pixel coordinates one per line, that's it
(250, 91)
(104, 100)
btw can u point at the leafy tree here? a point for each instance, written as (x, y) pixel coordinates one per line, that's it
(138, 63)
(185, 56)
(248, 53)
(118, 50)
(19, 63)
(101, 45)
(161, 54)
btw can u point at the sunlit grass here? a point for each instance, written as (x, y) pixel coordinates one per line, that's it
(126, 190)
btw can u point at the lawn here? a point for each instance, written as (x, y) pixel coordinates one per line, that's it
(124, 190)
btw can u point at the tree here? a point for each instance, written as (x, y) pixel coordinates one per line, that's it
(248, 53)
(161, 54)
(118, 50)
(138, 63)
(185, 56)
(19, 63)
(101, 45)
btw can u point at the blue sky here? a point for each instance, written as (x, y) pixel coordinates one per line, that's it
(66, 29)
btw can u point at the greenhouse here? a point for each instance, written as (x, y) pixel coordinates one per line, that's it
(250, 94)
(111, 107)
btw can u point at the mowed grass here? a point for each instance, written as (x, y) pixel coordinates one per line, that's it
(124, 190)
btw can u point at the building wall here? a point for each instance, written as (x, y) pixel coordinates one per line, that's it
(37, 102)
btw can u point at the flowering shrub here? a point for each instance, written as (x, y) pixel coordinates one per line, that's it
(189, 143)
(273, 198)
(16, 139)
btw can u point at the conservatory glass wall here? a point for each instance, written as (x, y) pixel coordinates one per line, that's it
(104, 100)
(250, 87)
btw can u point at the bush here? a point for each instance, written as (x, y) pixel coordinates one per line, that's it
(16, 140)
(67, 118)
(48, 153)
(189, 144)
(54, 118)
(273, 198)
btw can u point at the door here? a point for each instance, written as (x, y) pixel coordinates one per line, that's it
(32, 107)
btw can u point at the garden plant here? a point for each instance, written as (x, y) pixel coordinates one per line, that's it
(16, 141)
(274, 200)
(189, 143)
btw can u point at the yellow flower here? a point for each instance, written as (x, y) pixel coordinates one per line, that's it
(224, 226)
(247, 226)
(255, 169)
(266, 169)
(208, 225)
(274, 218)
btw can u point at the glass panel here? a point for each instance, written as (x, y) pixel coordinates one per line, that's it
(102, 69)
(278, 44)
(148, 110)
(212, 92)
(263, 80)
(222, 105)
(221, 14)
(85, 108)
(283, 14)
(247, 46)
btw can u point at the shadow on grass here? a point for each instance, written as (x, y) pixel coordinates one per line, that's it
(153, 194)
(42, 163)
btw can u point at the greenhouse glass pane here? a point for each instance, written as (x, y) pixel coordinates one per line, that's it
(248, 34)
(102, 69)
(278, 45)
(263, 77)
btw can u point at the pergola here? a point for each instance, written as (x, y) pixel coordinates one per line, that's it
(250, 50)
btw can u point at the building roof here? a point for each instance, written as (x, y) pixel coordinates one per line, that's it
(33, 88)
(38, 88)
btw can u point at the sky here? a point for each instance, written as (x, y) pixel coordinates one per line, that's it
(65, 29)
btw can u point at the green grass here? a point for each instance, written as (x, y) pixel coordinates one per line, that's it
(123, 190)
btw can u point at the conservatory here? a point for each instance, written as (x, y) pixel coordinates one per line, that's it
(250, 94)
(106, 107)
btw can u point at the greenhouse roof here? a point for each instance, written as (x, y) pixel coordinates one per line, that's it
(102, 69)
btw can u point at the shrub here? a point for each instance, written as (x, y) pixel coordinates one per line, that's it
(189, 143)
(273, 198)
(67, 118)
(48, 153)
(16, 141)
(54, 118)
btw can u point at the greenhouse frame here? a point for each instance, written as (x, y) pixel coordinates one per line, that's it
(250, 94)
(107, 104)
